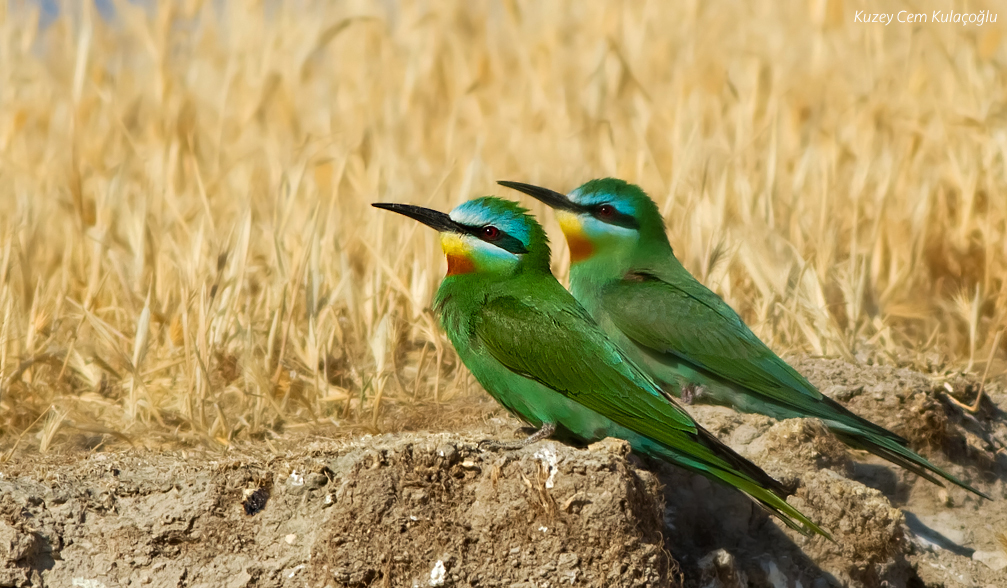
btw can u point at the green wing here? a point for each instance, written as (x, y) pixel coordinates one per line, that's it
(681, 317)
(685, 319)
(554, 342)
(559, 346)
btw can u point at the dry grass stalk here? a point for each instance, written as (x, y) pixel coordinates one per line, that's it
(187, 247)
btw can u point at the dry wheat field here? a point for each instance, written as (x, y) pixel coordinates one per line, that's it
(188, 255)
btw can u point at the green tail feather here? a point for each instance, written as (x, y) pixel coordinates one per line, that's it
(894, 452)
(765, 496)
(776, 505)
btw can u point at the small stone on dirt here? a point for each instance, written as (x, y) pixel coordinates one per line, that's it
(994, 560)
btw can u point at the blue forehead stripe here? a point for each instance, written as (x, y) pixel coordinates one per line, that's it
(591, 200)
(502, 214)
(598, 197)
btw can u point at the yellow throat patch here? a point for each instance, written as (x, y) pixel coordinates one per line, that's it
(580, 245)
(458, 253)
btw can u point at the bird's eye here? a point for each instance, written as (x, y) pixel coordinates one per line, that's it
(490, 233)
(606, 211)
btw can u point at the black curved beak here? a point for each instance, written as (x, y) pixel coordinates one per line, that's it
(553, 199)
(432, 218)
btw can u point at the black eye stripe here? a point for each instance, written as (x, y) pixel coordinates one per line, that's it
(510, 243)
(615, 217)
(503, 240)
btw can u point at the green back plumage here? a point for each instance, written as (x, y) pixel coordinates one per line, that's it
(683, 332)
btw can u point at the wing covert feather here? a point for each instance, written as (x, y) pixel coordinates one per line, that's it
(689, 321)
(565, 350)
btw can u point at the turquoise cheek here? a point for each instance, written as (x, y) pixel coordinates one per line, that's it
(488, 258)
(608, 236)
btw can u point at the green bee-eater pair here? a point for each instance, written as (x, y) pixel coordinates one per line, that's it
(637, 328)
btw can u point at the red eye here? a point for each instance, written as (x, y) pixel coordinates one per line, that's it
(490, 233)
(606, 211)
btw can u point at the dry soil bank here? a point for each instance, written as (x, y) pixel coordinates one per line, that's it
(432, 509)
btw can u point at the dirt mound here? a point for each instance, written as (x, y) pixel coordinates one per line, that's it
(869, 547)
(891, 527)
(918, 408)
(403, 510)
(546, 512)
(720, 537)
(420, 509)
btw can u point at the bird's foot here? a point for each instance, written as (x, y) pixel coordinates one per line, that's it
(493, 445)
(690, 392)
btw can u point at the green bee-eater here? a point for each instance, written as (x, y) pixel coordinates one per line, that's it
(537, 351)
(623, 271)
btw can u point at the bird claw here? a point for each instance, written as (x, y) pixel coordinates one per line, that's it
(494, 445)
(543, 433)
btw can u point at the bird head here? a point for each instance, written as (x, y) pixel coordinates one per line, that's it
(606, 218)
(486, 235)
